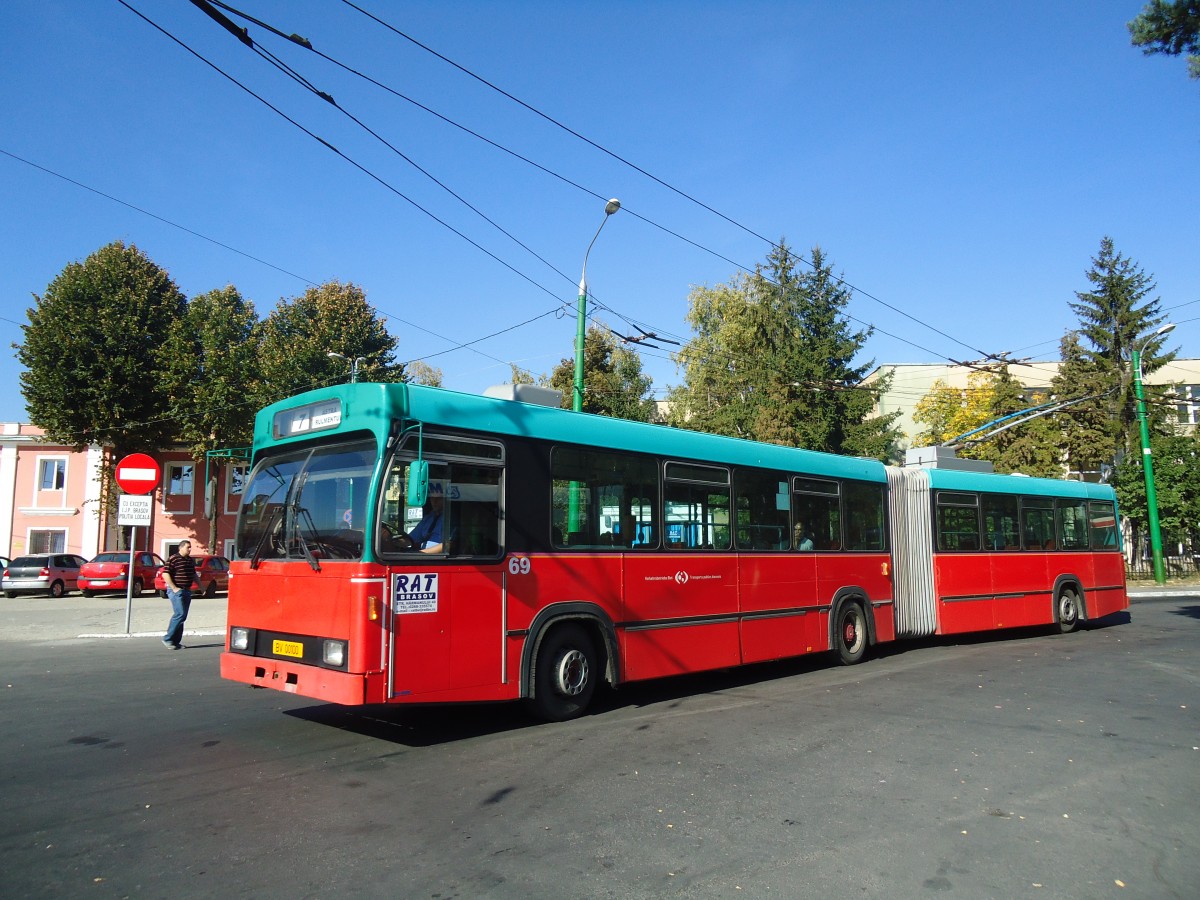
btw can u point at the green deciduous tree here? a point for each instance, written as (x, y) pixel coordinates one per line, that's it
(1176, 486)
(1171, 28)
(613, 383)
(97, 353)
(421, 372)
(299, 333)
(215, 382)
(1029, 447)
(774, 359)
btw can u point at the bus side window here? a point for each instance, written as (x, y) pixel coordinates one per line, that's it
(601, 500)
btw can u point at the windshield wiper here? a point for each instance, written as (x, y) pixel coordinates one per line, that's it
(308, 555)
(258, 548)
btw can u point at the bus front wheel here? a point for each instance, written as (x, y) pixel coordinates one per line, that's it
(850, 635)
(564, 676)
(1066, 611)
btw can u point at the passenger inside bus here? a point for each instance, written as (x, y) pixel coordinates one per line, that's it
(803, 537)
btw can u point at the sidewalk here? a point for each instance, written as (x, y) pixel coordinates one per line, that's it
(37, 618)
(1142, 591)
(74, 616)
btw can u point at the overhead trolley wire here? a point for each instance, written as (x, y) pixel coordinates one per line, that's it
(307, 44)
(165, 221)
(244, 38)
(339, 153)
(651, 176)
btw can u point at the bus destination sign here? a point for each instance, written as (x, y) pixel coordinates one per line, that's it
(319, 416)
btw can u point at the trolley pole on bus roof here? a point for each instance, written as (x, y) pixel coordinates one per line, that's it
(1160, 574)
(581, 324)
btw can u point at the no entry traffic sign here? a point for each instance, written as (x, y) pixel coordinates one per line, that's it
(138, 473)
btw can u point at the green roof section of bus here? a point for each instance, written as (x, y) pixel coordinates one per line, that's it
(956, 480)
(373, 407)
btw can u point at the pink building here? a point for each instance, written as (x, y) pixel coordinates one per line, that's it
(49, 500)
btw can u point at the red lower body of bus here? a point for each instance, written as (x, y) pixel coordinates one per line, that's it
(455, 633)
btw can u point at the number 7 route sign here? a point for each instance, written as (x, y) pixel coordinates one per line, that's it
(138, 473)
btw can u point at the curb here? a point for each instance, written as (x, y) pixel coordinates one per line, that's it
(200, 632)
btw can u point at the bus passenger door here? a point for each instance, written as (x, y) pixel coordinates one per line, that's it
(447, 632)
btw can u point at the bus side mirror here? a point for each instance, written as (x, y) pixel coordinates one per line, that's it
(417, 478)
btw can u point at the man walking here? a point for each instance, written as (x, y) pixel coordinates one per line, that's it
(179, 575)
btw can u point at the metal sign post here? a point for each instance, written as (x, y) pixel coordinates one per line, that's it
(138, 475)
(133, 511)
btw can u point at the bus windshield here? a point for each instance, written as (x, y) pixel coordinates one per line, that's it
(309, 505)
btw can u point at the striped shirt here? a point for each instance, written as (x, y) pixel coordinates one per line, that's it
(182, 570)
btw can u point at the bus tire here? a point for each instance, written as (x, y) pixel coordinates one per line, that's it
(850, 633)
(564, 675)
(1067, 610)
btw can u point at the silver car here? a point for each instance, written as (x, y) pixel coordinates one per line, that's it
(47, 573)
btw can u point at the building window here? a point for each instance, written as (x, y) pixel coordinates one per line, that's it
(237, 479)
(235, 484)
(47, 540)
(180, 479)
(1188, 407)
(52, 474)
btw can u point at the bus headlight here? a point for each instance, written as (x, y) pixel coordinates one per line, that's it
(239, 639)
(334, 653)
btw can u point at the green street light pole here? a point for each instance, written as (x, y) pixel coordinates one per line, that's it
(1160, 574)
(581, 325)
(354, 363)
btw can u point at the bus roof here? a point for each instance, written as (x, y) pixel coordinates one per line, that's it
(959, 480)
(373, 407)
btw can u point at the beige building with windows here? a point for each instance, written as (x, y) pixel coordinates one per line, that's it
(910, 382)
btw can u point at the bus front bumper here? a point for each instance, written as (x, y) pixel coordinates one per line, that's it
(346, 688)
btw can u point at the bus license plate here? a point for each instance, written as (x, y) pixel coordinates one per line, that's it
(287, 648)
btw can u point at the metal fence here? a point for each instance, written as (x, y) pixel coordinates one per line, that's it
(1141, 568)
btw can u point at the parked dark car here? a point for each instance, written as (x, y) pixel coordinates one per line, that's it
(109, 572)
(212, 575)
(45, 573)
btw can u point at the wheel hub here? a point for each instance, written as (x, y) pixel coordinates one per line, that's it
(850, 632)
(572, 675)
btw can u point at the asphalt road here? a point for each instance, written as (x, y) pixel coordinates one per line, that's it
(1026, 765)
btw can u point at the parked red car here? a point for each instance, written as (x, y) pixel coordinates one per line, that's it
(212, 573)
(109, 572)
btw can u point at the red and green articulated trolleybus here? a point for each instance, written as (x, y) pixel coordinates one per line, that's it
(407, 544)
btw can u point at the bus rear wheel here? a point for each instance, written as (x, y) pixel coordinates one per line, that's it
(1066, 611)
(564, 676)
(850, 636)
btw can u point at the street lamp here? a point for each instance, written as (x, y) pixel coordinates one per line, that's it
(581, 326)
(353, 363)
(1160, 575)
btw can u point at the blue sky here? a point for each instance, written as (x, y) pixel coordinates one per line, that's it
(958, 160)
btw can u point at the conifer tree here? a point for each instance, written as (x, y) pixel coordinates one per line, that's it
(774, 359)
(1115, 316)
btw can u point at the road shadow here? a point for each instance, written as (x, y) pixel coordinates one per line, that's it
(1191, 612)
(429, 725)
(432, 725)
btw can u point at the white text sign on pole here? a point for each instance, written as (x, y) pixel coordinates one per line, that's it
(135, 510)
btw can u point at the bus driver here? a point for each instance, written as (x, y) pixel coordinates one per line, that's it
(427, 535)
